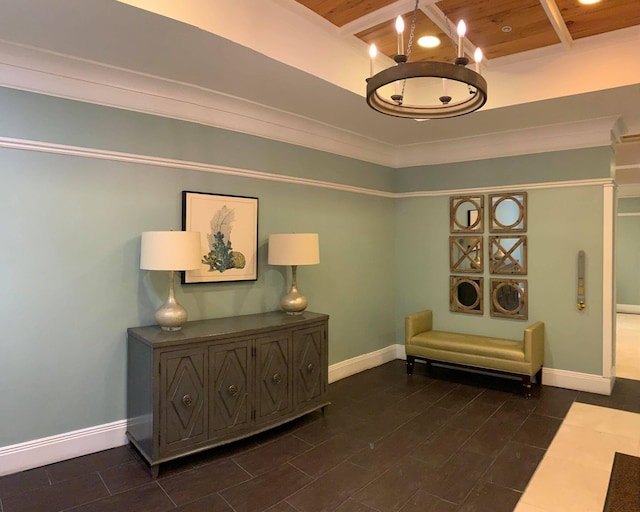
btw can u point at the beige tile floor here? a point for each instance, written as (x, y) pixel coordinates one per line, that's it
(628, 346)
(574, 474)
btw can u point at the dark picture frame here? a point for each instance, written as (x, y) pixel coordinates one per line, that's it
(228, 227)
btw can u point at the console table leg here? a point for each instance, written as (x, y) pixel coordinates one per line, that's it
(410, 362)
(155, 470)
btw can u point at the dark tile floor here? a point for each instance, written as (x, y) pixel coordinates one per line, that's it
(444, 442)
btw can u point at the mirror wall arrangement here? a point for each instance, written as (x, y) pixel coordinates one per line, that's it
(506, 254)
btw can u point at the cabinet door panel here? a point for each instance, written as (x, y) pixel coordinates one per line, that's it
(230, 370)
(182, 399)
(273, 376)
(309, 364)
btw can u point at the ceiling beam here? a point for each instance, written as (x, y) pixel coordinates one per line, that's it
(376, 17)
(448, 27)
(555, 17)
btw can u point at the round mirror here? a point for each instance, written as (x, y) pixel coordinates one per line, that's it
(507, 297)
(467, 294)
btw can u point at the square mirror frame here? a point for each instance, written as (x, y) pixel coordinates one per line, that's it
(506, 263)
(501, 290)
(466, 220)
(519, 225)
(473, 283)
(466, 250)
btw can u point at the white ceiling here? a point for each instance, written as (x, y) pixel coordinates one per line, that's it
(552, 86)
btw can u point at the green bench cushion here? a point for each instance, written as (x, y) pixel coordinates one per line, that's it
(510, 350)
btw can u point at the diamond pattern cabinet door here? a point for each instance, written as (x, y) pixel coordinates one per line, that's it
(182, 399)
(273, 386)
(230, 393)
(310, 365)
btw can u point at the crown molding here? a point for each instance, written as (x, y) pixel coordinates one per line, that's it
(541, 139)
(35, 70)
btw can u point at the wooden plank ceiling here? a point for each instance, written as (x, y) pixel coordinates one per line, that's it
(530, 23)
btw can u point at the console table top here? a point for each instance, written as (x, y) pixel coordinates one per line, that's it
(221, 327)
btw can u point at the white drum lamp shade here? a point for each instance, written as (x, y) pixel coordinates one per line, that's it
(170, 251)
(294, 249)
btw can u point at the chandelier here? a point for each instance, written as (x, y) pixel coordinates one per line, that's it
(397, 91)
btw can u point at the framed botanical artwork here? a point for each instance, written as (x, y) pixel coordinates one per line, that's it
(228, 227)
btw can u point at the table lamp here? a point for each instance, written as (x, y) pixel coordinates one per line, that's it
(294, 249)
(172, 251)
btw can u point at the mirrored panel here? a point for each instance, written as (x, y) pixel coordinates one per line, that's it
(465, 294)
(466, 214)
(508, 212)
(508, 254)
(508, 298)
(465, 253)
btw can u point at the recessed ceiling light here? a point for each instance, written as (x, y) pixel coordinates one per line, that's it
(429, 41)
(588, 2)
(506, 28)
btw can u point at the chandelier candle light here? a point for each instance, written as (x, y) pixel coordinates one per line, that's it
(474, 97)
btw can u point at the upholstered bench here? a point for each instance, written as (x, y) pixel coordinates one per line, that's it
(523, 358)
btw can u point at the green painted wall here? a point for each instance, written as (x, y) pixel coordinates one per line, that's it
(70, 250)
(561, 221)
(628, 252)
(44, 118)
(69, 260)
(590, 163)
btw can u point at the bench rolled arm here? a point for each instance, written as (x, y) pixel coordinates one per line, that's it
(534, 344)
(417, 323)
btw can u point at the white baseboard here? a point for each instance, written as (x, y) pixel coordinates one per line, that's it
(578, 381)
(628, 308)
(364, 362)
(39, 452)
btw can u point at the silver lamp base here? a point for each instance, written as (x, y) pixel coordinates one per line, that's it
(171, 316)
(294, 303)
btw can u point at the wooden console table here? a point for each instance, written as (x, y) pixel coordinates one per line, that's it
(218, 381)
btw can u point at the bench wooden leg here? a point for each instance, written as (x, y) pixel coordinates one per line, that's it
(410, 362)
(539, 377)
(526, 386)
